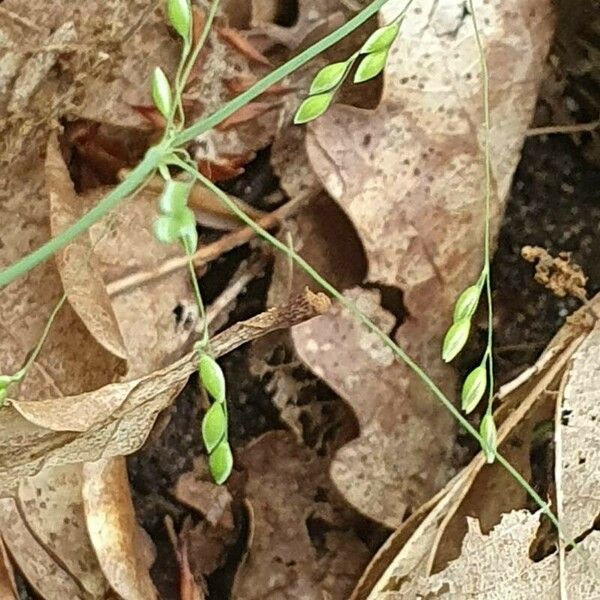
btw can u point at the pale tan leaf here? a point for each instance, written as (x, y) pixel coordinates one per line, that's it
(112, 527)
(44, 574)
(579, 439)
(26, 448)
(288, 487)
(77, 264)
(50, 504)
(408, 174)
(498, 567)
(8, 586)
(403, 454)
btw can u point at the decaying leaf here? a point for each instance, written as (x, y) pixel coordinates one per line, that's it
(408, 175)
(112, 527)
(497, 566)
(77, 265)
(302, 544)
(8, 587)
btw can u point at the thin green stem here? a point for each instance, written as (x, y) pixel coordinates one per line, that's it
(485, 87)
(199, 301)
(373, 328)
(148, 165)
(203, 37)
(38, 348)
(277, 75)
(178, 106)
(155, 155)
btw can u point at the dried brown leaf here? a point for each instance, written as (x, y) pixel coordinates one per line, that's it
(113, 529)
(8, 586)
(77, 264)
(408, 175)
(238, 41)
(290, 493)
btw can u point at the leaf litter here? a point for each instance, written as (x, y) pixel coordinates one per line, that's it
(294, 509)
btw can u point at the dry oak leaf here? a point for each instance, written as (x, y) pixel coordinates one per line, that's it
(288, 489)
(408, 175)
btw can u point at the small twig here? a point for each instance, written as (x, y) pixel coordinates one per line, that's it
(211, 252)
(301, 308)
(563, 129)
(246, 273)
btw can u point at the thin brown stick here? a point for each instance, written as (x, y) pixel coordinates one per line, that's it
(563, 129)
(211, 252)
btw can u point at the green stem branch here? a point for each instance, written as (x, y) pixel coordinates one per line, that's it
(155, 155)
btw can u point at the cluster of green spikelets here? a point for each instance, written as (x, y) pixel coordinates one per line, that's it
(476, 382)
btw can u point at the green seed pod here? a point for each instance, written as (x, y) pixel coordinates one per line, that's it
(313, 107)
(6, 380)
(381, 39)
(166, 229)
(212, 377)
(467, 303)
(489, 437)
(161, 92)
(455, 339)
(214, 426)
(174, 196)
(180, 17)
(370, 66)
(3, 392)
(328, 78)
(473, 388)
(220, 463)
(186, 229)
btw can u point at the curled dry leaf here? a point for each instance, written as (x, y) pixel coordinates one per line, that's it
(303, 544)
(112, 526)
(408, 175)
(71, 361)
(77, 263)
(40, 433)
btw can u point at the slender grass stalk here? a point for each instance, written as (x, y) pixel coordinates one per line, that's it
(485, 92)
(156, 155)
(385, 339)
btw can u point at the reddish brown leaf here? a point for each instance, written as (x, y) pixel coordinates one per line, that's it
(251, 111)
(236, 40)
(151, 115)
(241, 83)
